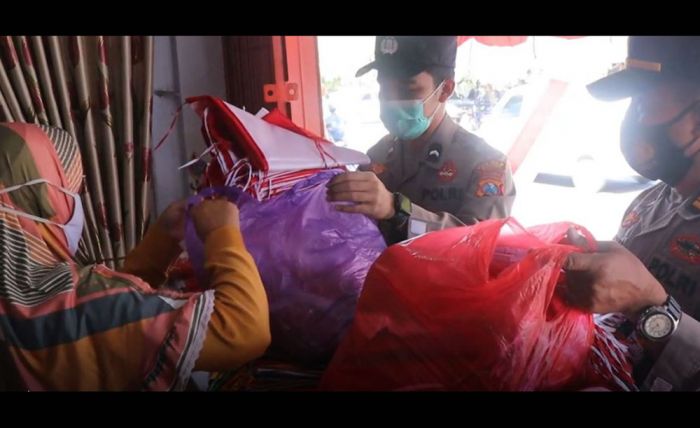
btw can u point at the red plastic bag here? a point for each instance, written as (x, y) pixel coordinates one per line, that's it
(470, 308)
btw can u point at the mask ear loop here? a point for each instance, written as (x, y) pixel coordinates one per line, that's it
(6, 209)
(10, 189)
(37, 181)
(76, 201)
(432, 116)
(434, 91)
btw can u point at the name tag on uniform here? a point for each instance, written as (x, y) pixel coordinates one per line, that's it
(421, 227)
(416, 228)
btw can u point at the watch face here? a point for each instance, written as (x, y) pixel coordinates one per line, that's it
(658, 326)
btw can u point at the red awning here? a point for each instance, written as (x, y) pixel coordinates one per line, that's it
(502, 40)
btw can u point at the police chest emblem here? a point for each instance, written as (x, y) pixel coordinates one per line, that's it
(447, 173)
(686, 247)
(630, 219)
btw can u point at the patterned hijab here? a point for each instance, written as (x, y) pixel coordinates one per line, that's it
(67, 327)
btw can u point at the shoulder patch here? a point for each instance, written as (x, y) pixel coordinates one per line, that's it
(489, 176)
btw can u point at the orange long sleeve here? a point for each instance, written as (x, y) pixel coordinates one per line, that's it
(239, 329)
(152, 256)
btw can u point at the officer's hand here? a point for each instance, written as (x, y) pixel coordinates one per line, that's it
(611, 279)
(212, 214)
(365, 190)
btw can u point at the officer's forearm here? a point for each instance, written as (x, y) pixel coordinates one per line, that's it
(394, 231)
(677, 366)
(437, 220)
(420, 221)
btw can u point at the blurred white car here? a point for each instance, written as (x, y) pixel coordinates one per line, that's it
(359, 109)
(457, 106)
(579, 138)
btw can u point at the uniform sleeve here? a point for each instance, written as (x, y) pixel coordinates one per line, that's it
(678, 366)
(490, 194)
(420, 221)
(620, 235)
(436, 220)
(376, 154)
(239, 329)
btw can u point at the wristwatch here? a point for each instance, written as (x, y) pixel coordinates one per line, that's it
(402, 209)
(657, 323)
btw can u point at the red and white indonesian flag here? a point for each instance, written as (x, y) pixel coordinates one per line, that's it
(271, 143)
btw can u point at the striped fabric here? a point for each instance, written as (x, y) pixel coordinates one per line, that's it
(68, 153)
(65, 327)
(610, 359)
(267, 375)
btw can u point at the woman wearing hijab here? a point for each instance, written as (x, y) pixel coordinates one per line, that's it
(69, 327)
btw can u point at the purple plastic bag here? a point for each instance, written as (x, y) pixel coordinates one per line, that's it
(313, 261)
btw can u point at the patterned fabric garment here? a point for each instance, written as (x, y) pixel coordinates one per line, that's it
(70, 327)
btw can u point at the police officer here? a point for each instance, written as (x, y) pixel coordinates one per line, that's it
(652, 272)
(428, 173)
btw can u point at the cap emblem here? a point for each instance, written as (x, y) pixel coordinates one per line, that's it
(388, 46)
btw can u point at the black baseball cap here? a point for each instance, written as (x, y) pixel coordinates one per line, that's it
(650, 60)
(406, 56)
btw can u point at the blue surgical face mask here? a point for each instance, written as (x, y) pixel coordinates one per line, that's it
(73, 230)
(405, 119)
